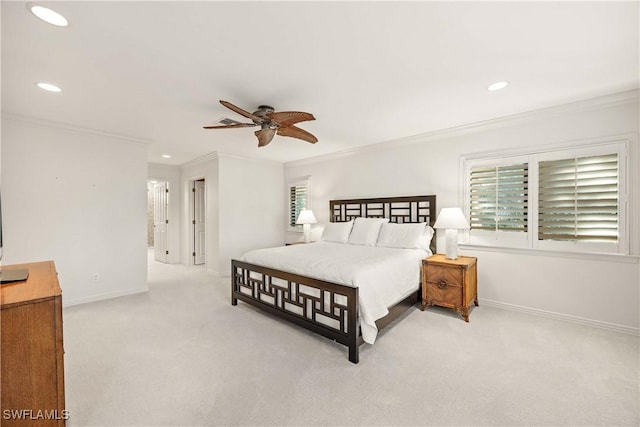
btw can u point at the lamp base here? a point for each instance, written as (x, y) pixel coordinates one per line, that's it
(451, 243)
(306, 229)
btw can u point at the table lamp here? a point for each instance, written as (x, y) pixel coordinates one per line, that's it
(306, 218)
(451, 219)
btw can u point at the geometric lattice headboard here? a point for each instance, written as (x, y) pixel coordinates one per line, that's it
(398, 209)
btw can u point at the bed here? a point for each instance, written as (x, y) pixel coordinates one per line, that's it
(327, 296)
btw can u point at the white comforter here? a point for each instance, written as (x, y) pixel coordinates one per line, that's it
(383, 276)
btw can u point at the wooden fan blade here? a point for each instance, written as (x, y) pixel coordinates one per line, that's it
(232, 126)
(265, 136)
(241, 111)
(288, 118)
(296, 132)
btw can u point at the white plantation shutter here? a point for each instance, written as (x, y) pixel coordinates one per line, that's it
(572, 198)
(298, 195)
(578, 199)
(499, 197)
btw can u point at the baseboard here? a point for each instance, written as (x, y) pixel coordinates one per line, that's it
(101, 297)
(564, 317)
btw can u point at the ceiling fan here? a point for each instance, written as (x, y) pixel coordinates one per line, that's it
(270, 122)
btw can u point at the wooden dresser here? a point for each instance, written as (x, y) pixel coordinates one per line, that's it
(450, 283)
(32, 361)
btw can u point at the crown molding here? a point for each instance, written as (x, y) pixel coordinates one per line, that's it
(200, 160)
(74, 129)
(215, 155)
(550, 147)
(606, 101)
(249, 159)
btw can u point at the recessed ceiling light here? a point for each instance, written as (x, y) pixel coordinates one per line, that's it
(48, 87)
(48, 15)
(166, 156)
(498, 86)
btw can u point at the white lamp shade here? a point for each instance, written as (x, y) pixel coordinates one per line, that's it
(306, 217)
(451, 218)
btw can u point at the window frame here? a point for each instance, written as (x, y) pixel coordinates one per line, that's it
(516, 240)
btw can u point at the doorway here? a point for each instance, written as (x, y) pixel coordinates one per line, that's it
(198, 221)
(157, 219)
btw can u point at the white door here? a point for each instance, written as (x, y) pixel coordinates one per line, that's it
(198, 222)
(160, 221)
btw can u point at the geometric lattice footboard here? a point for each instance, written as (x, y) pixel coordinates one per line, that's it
(326, 308)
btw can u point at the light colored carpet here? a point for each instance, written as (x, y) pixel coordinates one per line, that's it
(181, 355)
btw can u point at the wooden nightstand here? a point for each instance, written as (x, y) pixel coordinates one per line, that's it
(450, 283)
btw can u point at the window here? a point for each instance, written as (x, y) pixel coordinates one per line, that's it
(498, 201)
(578, 199)
(298, 195)
(498, 197)
(564, 200)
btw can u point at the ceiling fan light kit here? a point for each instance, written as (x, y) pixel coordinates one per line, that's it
(270, 122)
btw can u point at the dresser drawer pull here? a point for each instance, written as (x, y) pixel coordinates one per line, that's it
(442, 284)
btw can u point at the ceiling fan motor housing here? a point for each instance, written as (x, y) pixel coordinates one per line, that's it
(262, 112)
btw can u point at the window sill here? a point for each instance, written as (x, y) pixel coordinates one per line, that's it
(627, 259)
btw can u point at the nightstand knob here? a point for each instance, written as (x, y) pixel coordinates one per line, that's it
(442, 284)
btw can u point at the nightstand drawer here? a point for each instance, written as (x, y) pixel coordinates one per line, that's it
(443, 293)
(448, 275)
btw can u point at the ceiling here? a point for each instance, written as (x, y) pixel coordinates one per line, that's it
(369, 71)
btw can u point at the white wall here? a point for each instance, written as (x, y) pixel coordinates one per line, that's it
(171, 175)
(244, 207)
(251, 207)
(77, 198)
(602, 292)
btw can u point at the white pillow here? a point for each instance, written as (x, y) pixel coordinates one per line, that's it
(365, 231)
(425, 242)
(337, 232)
(409, 235)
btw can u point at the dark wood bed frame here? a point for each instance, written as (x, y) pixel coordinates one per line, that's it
(304, 300)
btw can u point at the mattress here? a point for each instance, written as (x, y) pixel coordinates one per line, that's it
(383, 276)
